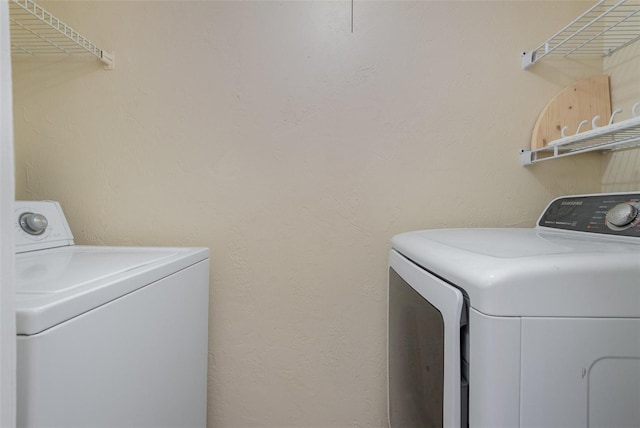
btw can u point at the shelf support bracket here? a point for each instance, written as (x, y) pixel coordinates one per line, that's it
(528, 59)
(107, 59)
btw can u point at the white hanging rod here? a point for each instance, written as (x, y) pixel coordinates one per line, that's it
(602, 30)
(614, 136)
(34, 31)
(621, 131)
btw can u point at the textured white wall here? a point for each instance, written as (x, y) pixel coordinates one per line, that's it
(622, 169)
(295, 149)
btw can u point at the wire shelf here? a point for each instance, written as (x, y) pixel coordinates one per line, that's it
(614, 136)
(605, 28)
(34, 31)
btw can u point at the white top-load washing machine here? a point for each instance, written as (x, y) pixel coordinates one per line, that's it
(107, 336)
(531, 327)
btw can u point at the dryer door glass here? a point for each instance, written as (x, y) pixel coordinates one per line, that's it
(416, 358)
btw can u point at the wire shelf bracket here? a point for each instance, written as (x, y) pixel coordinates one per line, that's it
(35, 31)
(605, 28)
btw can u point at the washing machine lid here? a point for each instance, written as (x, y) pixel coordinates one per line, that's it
(58, 284)
(528, 272)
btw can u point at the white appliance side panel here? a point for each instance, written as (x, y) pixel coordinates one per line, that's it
(580, 372)
(140, 360)
(84, 277)
(525, 272)
(449, 301)
(7, 254)
(494, 370)
(622, 407)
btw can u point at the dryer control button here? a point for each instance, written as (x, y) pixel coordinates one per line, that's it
(621, 215)
(33, 223)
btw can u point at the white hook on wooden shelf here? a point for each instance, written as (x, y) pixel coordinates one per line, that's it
(584, 122)
(616, 111)
(633, 109)
(564, 128)
(594, 125)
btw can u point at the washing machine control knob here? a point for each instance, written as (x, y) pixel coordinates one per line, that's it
(622, 215)
(33, 223)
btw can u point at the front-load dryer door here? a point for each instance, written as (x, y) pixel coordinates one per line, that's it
(424, 359)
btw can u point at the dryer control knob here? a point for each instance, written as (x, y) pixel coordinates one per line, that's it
(622, 214)
(33, 223)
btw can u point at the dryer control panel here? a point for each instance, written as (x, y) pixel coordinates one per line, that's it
(40, 225)
(608, 213)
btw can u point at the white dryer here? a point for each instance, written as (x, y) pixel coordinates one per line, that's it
(107, 336)
(519, 327)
